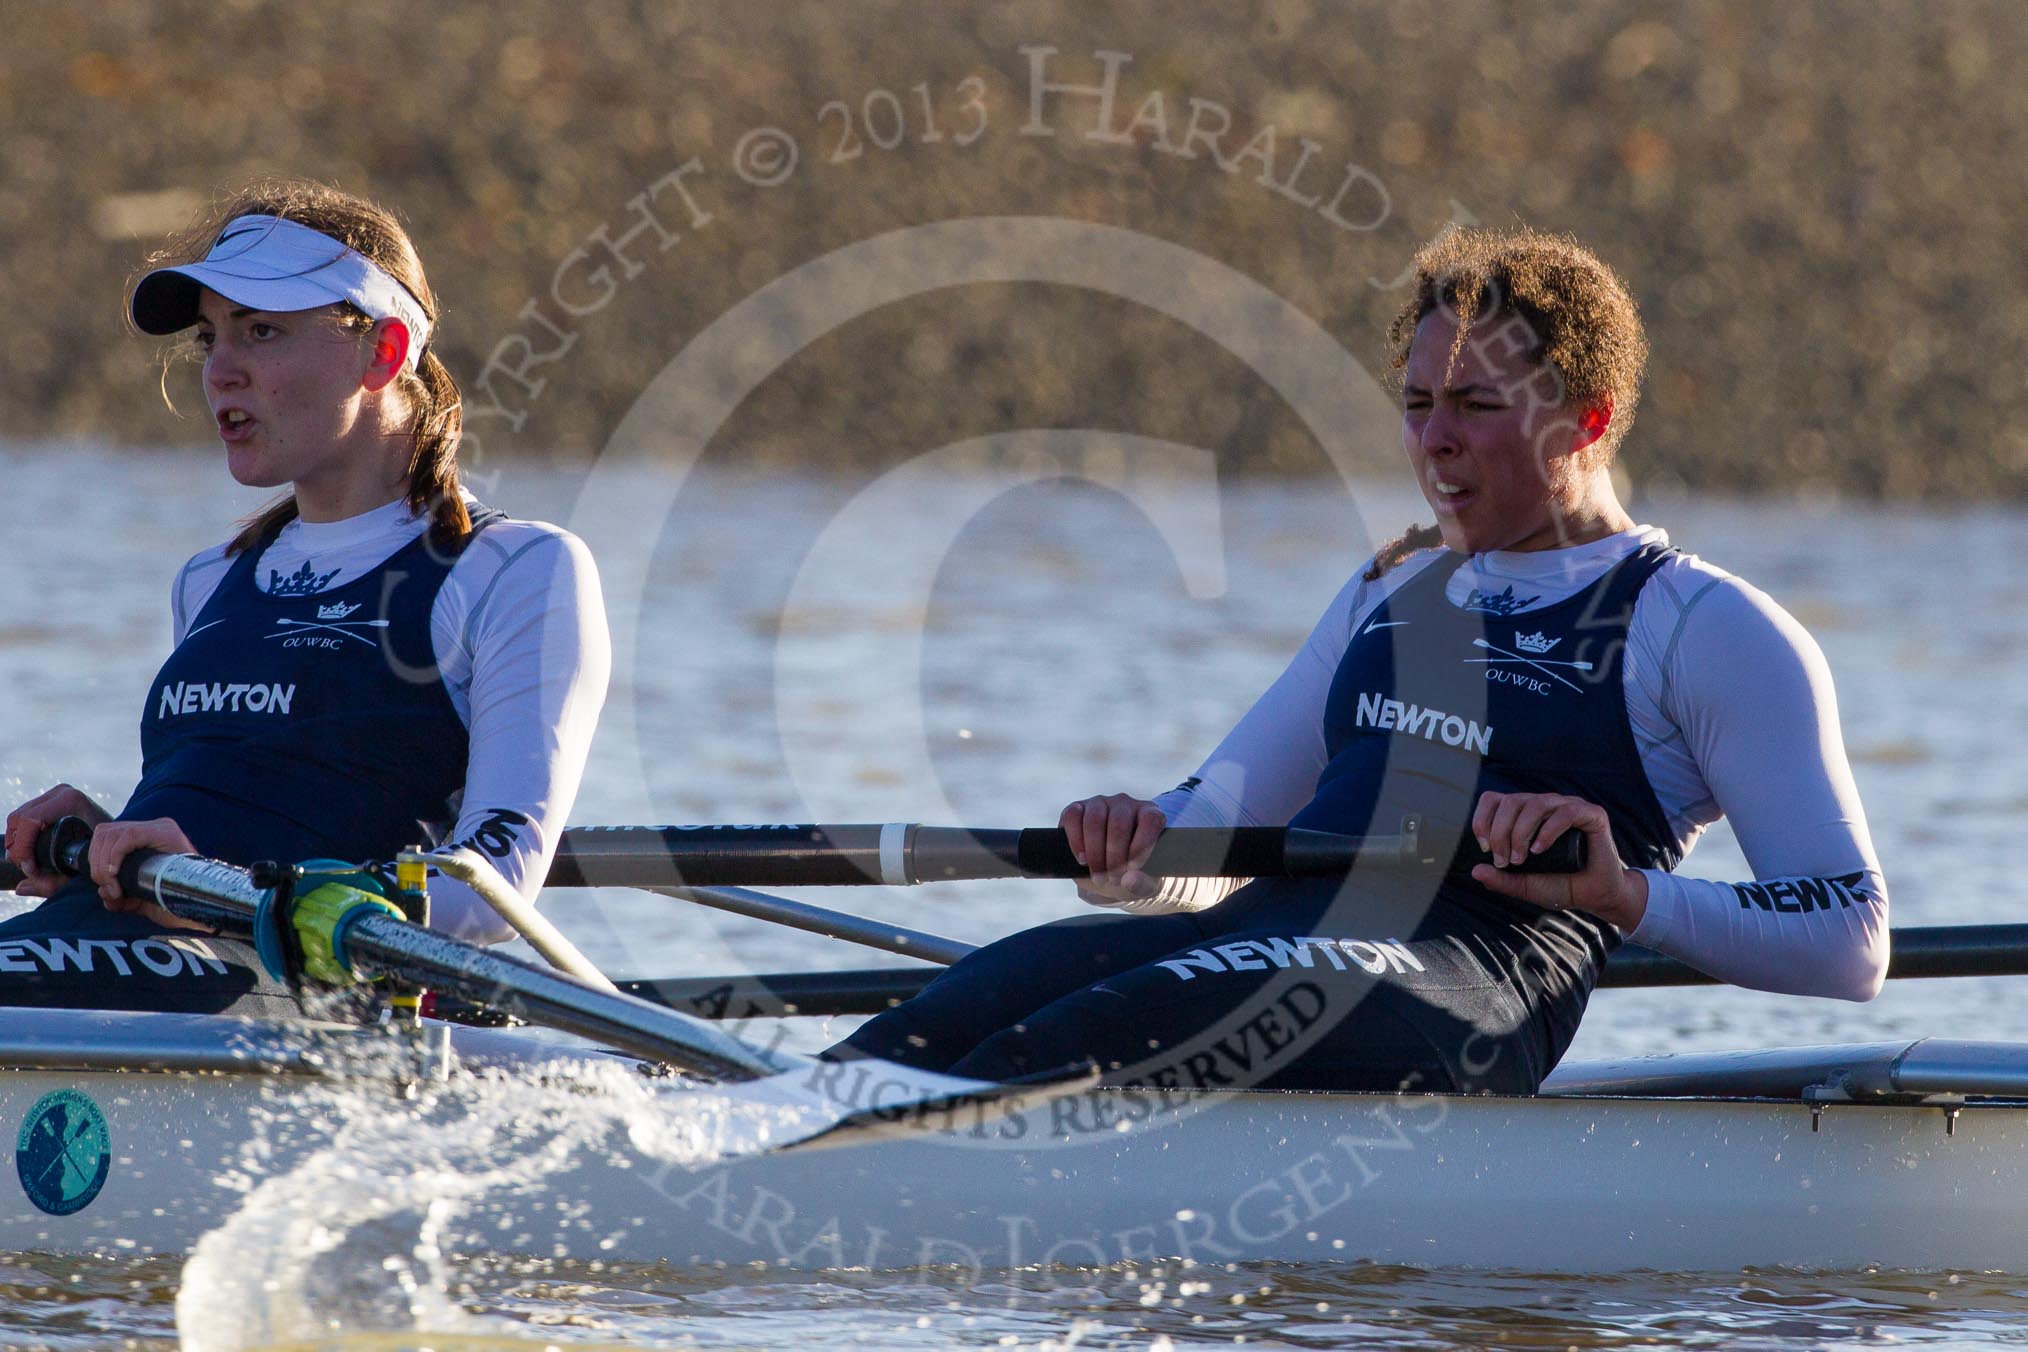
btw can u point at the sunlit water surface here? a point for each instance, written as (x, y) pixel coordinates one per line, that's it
(981, 648)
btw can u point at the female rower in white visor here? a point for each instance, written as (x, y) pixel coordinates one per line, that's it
(372, 661)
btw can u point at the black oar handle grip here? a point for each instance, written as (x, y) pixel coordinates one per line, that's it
(62, 846)
(1278, 852)
(1568, 853)
(1244, 852)
(65, 847)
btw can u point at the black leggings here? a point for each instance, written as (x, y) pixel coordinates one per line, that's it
(72, 953)
(1182, 1001)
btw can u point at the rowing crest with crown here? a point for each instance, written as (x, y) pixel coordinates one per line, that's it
(63, 1152)
(302, 582)
(332, 628)
(1496, 603)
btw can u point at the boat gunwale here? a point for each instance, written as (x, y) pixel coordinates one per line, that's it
(1920, 1072)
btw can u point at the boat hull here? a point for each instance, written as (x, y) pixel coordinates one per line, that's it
(1547, 1185)
(1555, 1184)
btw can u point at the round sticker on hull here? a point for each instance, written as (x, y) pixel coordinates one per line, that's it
(63, 1152)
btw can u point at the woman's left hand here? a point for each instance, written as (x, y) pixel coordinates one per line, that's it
(113, 842)
(1511, 826)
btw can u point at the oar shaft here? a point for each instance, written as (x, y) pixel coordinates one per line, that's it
(869, 990)
(774, 995)
(1919, 952)
(909, 943)
(899, 854)
(380, 945)
(1959, 950)
(1916, 953)
(902, 854)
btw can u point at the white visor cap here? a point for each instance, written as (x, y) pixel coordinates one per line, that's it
(267, 263)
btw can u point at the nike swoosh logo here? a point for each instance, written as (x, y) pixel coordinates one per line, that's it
(200, 629)
(1372, 625)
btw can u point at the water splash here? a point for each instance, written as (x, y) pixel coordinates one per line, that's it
(365, 1198)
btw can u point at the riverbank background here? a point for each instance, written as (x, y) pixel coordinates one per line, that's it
(1817, 207)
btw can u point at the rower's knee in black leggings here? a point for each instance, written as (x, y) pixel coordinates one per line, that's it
(1437, 1024)
(1139, 997)
(996, 986)
(1018, 1052)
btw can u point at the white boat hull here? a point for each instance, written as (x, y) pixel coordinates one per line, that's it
(1552, 1184)
(1542, 1185)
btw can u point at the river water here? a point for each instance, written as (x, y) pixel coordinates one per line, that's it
(980, 640)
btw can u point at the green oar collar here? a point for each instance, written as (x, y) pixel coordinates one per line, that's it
(300, 925)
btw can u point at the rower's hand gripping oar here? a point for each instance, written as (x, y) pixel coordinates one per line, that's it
(902, 854)
(338, 930)
(299, 913)
(350, 934)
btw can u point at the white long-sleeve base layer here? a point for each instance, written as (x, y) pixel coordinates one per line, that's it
(1734, 713)
(519, 632)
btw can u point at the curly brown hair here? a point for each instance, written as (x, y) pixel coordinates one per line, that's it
(372, 231)
(1585, 324)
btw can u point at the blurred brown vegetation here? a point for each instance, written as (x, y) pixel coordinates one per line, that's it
(1819, 207)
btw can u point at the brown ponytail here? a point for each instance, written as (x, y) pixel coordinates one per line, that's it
(372, 231)
(433, 460)
(1400, 547)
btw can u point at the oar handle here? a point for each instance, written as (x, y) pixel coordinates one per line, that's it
(65, 845)
(222, 896)
(62, 846)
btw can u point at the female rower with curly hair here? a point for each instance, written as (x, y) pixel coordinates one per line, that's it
(1533, 663)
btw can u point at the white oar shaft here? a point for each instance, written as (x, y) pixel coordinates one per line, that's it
(472, 869)
(382, 945)
(819, 920)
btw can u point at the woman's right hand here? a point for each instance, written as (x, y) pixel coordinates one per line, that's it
(29, 820)
(1112, 836)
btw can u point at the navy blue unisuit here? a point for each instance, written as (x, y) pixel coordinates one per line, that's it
(289, 724)
(1384, 980)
